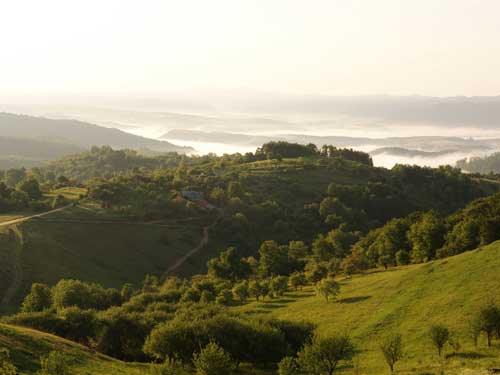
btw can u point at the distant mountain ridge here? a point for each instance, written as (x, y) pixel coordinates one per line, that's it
(80, 134)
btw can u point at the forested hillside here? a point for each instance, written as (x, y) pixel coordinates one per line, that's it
(19, 152)
(329, 199)
(287, 254)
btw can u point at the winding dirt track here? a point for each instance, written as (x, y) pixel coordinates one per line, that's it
(204, 241)
(181, 261)
(17, 279)
(26, 218)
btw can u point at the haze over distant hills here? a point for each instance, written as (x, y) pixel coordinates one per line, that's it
(431, 130)
(234, 110)
(422, 150)
(28, 141)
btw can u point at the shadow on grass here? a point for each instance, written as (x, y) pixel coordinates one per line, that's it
(354, 299)
(257, 312)
(300, 295)
(274, 303)
(468, 355)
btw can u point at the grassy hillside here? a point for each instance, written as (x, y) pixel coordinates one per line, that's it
(26, 346)
(370, 307)
(405, 300)
(88, 244)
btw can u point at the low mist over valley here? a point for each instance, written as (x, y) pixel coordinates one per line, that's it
(417, 130)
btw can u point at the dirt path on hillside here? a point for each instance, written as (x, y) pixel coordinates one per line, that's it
(26, 218)
(18, 276)
(110, 222)
(204, 242)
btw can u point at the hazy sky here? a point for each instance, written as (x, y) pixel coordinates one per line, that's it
(339, 47)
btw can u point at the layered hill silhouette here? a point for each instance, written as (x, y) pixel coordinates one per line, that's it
(27, 140)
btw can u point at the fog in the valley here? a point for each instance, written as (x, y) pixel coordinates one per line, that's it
(410, 130)
(226, 76)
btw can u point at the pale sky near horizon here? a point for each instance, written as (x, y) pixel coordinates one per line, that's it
(334, 47)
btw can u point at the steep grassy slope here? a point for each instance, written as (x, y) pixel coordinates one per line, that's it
(26, 346)
(408, 301)
(83, 244)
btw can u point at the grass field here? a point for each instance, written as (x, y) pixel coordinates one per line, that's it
(87, 244)
(405, 300)
(71, 193)
(26, 346)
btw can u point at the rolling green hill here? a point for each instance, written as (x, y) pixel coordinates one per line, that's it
(85, 243)
(26, 346)
(405, 300)
(281, 198)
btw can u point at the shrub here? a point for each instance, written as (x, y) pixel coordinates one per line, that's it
(69, 293)
(6, 367)
(56, 363)
(279, 285)
(402, 258)
(392, 349)
(212, 360)
(257, 289)
(298, 280)
(288, 366)
(241, 291)
(328, 288)
(39, 299)
(45, 321)
(439, 335)
(323, 355)
(225, 298)
(245, 340)
(173, 339)
(296, 334)
(171, 366)
(488, 321)
(207, 297)
(80, 324)
(121, 335)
